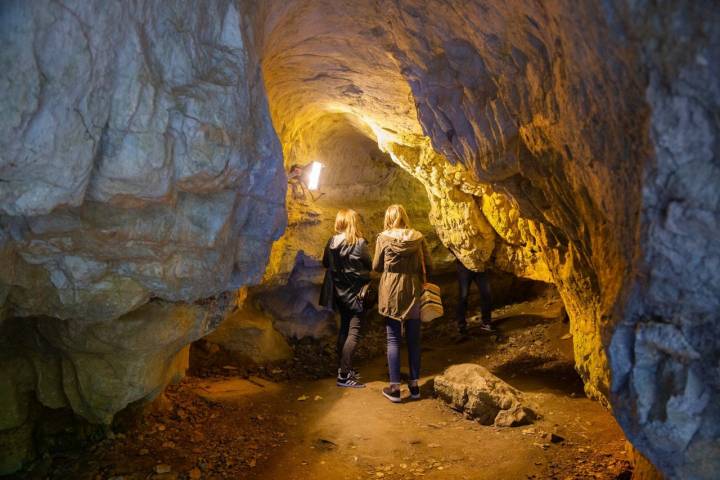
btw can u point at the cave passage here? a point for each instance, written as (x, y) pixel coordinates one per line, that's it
(160, 255)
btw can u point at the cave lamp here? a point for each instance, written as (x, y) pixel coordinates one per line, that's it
(314, 180)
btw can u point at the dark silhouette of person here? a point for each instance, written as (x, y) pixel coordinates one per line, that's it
(465, 279)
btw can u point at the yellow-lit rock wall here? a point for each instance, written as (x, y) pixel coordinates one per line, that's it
(494, 109)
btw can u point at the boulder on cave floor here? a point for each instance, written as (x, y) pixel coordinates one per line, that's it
(482, 396)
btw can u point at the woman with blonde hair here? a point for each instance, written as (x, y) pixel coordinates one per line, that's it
(399, 254)
(348, 263)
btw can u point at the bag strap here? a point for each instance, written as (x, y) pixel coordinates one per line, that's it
(422, 261)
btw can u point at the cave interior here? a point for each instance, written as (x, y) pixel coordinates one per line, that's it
(160, 270)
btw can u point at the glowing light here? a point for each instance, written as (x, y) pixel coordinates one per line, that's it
(314, 175)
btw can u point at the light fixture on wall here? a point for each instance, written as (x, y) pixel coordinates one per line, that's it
(314, 179)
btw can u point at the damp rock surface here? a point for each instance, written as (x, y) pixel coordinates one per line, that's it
(570, 142)
(140, 176)
(482, 396)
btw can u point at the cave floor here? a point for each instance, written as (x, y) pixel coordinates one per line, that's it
(234, 427)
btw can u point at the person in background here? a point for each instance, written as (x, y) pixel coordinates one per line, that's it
(347, 260)
(465, 278)
(297, 178)
(399, 252)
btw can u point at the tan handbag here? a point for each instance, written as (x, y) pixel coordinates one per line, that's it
(430, 300)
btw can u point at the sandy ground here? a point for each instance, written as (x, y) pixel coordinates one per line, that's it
(234, 427)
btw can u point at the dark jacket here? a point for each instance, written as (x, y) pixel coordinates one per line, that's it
(348, 270)
(397, 256)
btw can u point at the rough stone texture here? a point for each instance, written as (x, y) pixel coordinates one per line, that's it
(100, 368)
(472, 389)
(665, 354)
(138, 162)
(250, 336)
(496, 108)
(138, 157)
(572, 142)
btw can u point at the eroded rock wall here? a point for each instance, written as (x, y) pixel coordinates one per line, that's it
(543, 121)
(573, 142)
(665, 354)
(519, 119)
(139, 164)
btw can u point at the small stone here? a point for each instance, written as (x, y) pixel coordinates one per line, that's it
(195, 474)
(163, 468)
(552, 437)
(302, 398)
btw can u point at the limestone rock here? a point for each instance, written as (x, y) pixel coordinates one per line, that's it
(573, 142)
(137, 162)
(473, 390)
(16, 445)
(250, 335)
(99, 369)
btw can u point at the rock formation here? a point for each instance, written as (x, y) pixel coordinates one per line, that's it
(571, 142)
(482, 396)
(139, 164)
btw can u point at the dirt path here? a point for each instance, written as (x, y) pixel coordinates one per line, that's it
(256, 429)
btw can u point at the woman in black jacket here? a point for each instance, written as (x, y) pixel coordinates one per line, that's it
(348, 263)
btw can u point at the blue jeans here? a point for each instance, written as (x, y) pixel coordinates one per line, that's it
(394, 339)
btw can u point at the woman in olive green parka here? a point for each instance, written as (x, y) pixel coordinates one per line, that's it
(399, 255)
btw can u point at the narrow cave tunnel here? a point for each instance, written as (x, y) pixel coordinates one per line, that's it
(161, 272)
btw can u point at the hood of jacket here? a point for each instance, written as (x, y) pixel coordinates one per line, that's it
(337, 242)
(403, 241)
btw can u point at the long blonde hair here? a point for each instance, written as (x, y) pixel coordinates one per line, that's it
(396, 217)
(348, 222)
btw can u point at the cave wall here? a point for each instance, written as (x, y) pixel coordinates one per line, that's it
(562, 127)
(570, 142)
(501, 111)
(139, 164)
(665, 354)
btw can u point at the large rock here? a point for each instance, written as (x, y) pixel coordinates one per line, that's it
(250, 336)
(482, 396)
(139, 164)
(138, 160)
(100, 368)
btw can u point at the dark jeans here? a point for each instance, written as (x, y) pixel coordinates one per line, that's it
(348, 338)
(465, 279)
(394, 339)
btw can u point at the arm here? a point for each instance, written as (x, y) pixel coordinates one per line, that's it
(378, 263)
(427, 257)
(365, 255)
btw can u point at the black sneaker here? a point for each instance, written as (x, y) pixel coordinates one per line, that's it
(348, 382)
(414, 392)
(392, 395)
(351, 373)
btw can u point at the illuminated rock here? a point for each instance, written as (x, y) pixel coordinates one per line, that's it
(482, 396)
(572, 142)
